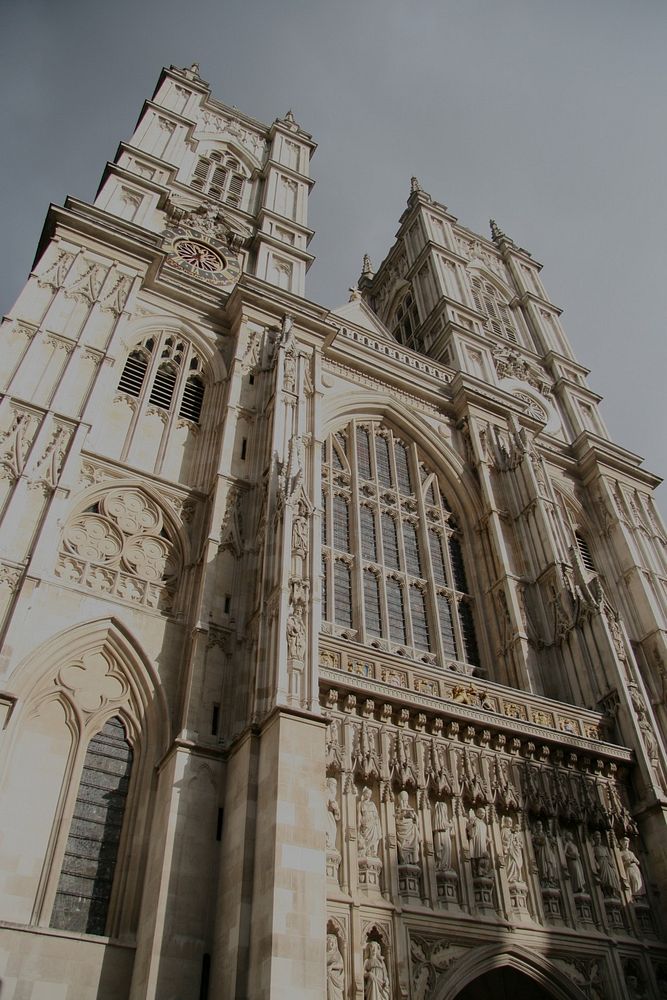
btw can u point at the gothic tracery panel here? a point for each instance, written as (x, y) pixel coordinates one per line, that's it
(394, 572)
(120, 546)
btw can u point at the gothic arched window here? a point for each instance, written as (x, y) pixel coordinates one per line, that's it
(86, 877)
(219, 175)
(498, 315)
(165, 370)
(394, 570)
(406, 321)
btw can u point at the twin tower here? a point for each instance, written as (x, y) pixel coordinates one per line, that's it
(333, 642)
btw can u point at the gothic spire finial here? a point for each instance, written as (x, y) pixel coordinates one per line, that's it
(497, 235)
(367, 267)
(415, 185)
(289, 117)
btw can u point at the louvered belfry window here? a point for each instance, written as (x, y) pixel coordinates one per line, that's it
(220, 176)
(498, 316)
(393, 561)
(165, 371)
(86, 877)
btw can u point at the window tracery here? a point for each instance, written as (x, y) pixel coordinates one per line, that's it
(393, 564)
(121, 546)
(165, 371)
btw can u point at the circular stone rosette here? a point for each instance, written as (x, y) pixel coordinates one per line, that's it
(200, 255)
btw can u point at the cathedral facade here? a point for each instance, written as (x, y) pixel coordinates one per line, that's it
(333, 642)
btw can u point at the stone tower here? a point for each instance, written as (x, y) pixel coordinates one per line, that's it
(333, 643)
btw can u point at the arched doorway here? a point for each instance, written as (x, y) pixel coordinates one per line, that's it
(504, 984)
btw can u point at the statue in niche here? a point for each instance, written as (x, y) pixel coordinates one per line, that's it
(477, 832)
(368, 825)
(300, 532)
(335, 970)
(606, 870)
(296, 636)
(407, 831)
(510, 837)
(632, 870)
(376, 976)
(333, 814)
(443, 831)
(545, 856)
(573, 862)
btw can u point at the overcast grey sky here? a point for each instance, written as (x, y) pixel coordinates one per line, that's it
(548, 115)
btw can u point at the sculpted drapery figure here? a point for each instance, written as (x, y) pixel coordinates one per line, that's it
(333, 814)
(632, 870)
(443, 831)
(407, 831)
(477, 832)
(512, 850)
(573, 861)
(607, 874)
(545, 856)
(368, 825)
(335, 970)
(376, 976)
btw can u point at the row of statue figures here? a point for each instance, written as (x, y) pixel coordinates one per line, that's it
(556, 851)
(377, 984)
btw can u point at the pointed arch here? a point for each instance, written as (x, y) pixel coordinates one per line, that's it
(535, 967)
(339, 408)
(139, 329)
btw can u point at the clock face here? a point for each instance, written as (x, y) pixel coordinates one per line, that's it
(201, 255)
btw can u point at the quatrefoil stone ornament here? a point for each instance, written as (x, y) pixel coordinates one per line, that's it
(93, 682)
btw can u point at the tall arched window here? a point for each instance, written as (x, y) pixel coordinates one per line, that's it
(167, 371)
(406, 321)
(86, 877)
(394, 570)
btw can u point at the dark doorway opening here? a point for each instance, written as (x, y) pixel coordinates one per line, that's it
(504, 984)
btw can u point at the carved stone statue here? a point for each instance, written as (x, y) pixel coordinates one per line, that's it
(335, 970)
(477, 832)
(376, 976)
(512, 851)
(545, 856)
(606, 870)
(573, 861)
(632, 870)
(443, 831)
(333, 814)
(407, 831)
(368, 824)
(296, 637)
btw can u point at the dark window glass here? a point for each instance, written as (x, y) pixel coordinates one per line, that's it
(341, 524)
(372, 603)
(420, 637)
(402, 468)
(437, 557)
(342, 594)
(457, 564)
(447, 626)
(411, 546)
(363, 453)
(389, 541)
(382, 458)
(369, 549)
(86, 877)
(396, 611)
(469, 637)
(585, 552)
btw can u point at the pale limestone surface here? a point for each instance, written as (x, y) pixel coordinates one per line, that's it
(212, 579)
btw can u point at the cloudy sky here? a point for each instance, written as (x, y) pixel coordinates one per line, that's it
(548, 115)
